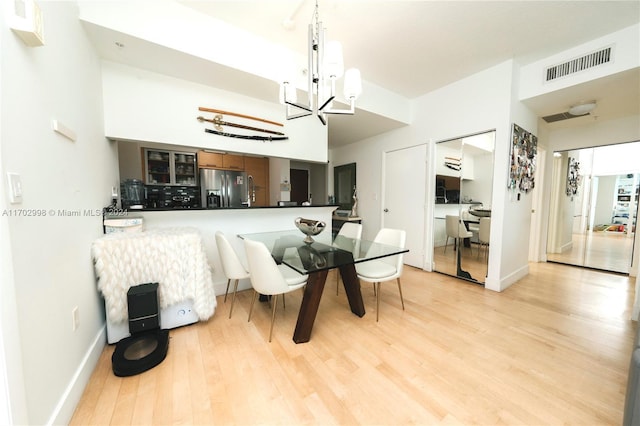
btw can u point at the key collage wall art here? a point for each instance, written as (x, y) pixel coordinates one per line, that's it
(573, 177)
(524, 147)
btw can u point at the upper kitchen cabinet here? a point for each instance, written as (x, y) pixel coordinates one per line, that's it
(169, 168)
(217, 160)
(233, 162)
(209, 160)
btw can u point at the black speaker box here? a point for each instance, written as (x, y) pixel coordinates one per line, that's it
(143, 304)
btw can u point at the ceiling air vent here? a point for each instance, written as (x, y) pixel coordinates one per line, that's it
(590, 60)
(558, 117)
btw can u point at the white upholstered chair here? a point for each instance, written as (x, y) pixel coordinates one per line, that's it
(349, 230)
(455, 229)
(269, 278)
(386, 268)
(484, 233)
(231, 266)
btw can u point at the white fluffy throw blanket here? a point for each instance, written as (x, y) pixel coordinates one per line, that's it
(174, 258)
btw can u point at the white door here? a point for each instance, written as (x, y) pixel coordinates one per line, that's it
(404, 198)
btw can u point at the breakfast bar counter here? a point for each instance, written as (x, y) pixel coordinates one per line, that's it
(231, 221)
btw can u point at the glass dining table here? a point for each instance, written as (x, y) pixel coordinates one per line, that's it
(316, 259)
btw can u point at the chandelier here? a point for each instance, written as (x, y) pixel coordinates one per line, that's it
(325, 67)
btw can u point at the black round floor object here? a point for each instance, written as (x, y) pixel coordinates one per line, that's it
(140, 352)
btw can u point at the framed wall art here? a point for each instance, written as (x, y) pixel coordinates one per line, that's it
(524, 147)
(573, 177)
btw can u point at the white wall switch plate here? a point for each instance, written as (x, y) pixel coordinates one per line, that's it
(63, 130)
(15, 188)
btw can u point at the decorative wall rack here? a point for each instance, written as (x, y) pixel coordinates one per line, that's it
(219, 123)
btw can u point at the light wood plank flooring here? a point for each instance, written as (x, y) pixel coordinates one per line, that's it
(610, 251)
(552, 349)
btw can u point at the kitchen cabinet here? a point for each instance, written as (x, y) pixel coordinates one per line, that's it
(258, 169)
(169, 168)
(233, 162)
(217, 160)
(209, 160)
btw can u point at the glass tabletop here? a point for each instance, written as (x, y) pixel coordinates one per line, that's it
(288, 247)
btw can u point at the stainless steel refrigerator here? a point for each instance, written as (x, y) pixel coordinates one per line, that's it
(223, 188)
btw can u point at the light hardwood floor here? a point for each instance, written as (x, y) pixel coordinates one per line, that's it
(552, 349)
(610, 251)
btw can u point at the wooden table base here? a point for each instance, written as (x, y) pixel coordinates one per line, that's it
(313, 293)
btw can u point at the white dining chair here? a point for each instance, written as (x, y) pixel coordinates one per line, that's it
(231, 266)
(349, 230)
(384, 269)
(269, 278)
(455, 229)
(484, 233)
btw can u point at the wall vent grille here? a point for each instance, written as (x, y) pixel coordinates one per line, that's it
(590, 60)
(560, 117)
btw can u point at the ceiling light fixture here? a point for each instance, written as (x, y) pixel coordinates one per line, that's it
(582, 109)
(325, 67)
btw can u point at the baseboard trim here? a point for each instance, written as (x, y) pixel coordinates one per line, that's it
(505, 282)
(71, 396)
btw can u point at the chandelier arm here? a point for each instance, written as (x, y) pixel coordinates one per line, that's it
(327, 102)
(351, 110)
(297, 105)
(291, 116)
(331, 96)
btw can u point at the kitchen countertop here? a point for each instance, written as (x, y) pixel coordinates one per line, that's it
(451, 204)
(171, 209)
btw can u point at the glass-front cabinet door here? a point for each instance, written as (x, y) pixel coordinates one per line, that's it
(157, 167)
(185, 170)
(170, 168)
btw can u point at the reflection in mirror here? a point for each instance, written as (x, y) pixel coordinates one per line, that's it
(462, 210)
(594, 206)
(344, 182)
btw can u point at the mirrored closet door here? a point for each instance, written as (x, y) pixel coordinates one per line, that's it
(594, 207)
(462, 210)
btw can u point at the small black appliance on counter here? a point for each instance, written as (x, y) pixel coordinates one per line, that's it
(132, 192)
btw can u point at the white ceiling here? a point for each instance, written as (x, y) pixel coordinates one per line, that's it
(413, 47)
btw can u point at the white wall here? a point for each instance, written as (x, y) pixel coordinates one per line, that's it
(47, 267)
(625, 45)
(475, 104)
(148, 107)
(605, 199)
(479, 188)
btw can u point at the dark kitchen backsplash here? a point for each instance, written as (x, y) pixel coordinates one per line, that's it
(162, 197)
